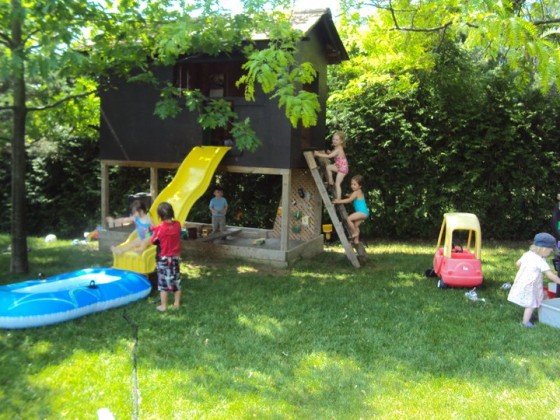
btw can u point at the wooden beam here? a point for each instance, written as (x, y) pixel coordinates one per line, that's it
(221, 168)
(219, 235)
(141, 164)
(249, 170)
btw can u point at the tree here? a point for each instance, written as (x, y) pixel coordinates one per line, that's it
(39, 70)
(398, 35)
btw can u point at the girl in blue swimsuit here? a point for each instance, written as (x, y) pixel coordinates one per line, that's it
(142, 222)
(361, 211)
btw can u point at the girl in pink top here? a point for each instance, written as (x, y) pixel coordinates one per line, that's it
(340, 165)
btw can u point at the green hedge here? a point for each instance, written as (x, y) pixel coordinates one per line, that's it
(463, 140)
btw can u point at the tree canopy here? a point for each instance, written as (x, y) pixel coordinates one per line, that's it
(389, 38)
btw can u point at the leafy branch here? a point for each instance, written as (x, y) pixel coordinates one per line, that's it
(60, 101)
(411, 28)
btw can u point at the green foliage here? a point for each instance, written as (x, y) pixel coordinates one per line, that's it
(443, 99)
(245, 135)
(304, 106)
(168, 106)
(217, 113)
(248, 200)
(275, 69)
(57, 202)
(63, 187)
(54, 68)
(517, 35)
(41, 67)
(193, 100)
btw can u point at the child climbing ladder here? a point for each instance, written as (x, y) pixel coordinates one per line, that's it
(338, 225)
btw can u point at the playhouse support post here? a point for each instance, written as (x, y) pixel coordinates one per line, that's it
(284, 226)
(154, 188)
(104, 193)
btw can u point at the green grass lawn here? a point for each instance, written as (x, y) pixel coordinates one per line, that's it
(321, 340)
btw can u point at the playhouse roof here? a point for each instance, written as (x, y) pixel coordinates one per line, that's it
(320, 20)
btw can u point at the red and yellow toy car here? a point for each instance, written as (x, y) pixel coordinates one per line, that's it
(458, 266)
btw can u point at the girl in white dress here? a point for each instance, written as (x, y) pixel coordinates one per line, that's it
(527, 290)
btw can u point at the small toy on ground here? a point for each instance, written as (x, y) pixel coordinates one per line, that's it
(50, 238)
(454, 265)
(473, 296)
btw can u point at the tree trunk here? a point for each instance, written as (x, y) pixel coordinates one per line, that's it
(19, 262)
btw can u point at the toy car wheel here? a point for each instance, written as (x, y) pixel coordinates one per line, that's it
(441, 284)
(430, 273)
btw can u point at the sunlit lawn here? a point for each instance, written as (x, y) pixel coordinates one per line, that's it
(320, 340)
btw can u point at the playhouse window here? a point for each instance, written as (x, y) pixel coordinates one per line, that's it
(213, 79)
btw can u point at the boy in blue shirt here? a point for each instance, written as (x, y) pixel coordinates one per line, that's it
(218, 207)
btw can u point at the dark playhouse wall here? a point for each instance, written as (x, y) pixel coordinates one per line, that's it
(131, 132)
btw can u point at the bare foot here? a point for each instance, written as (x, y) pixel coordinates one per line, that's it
(161, 308)
(175, 307)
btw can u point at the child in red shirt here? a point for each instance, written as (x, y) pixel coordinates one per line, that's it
(167, 237)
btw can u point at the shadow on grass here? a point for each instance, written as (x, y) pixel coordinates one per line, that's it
(323, 340)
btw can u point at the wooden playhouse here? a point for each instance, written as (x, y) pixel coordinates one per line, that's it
(131, 135)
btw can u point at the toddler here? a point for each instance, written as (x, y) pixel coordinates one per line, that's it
(527, 290)
(142, 223)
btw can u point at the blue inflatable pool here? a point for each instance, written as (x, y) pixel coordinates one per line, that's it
(67, 296)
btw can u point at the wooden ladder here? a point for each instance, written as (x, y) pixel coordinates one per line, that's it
(339, 227)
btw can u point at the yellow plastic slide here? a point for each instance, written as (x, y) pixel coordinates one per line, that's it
(190, 182)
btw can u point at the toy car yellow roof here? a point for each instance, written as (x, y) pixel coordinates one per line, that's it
(460, 221)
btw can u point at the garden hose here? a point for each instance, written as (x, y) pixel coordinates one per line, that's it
(134, 326)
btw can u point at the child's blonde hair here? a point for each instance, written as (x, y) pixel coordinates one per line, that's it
(341, 136)
(538, 249)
